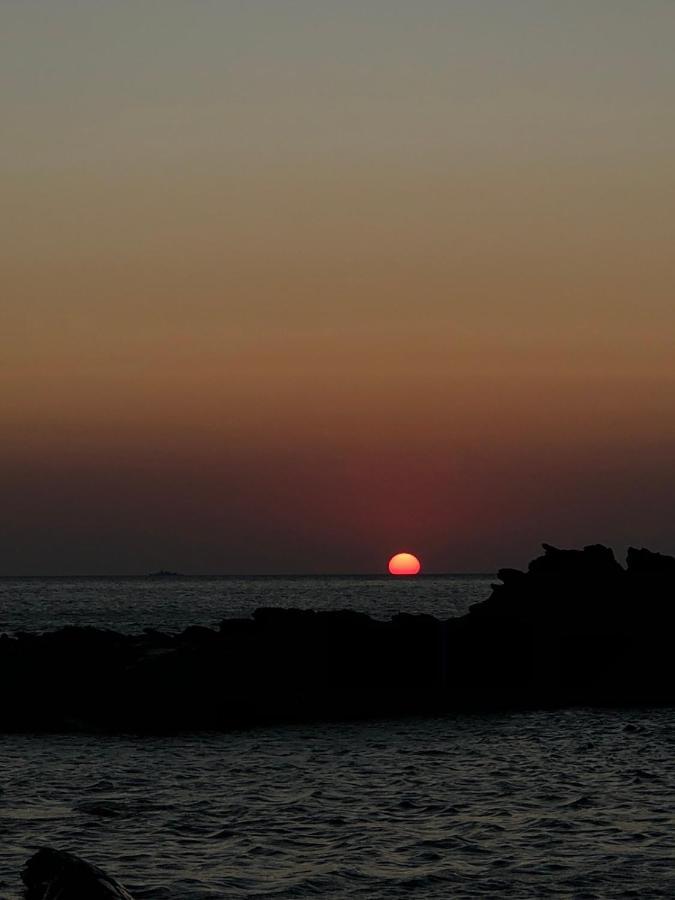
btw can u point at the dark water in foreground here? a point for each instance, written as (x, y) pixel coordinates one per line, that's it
(576, 803)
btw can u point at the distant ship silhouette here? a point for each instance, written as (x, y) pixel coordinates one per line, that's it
(164, 573)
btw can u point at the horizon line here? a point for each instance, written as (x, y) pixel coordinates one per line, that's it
(160, 577)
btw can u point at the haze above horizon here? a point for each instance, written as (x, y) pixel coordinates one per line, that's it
(288, 286)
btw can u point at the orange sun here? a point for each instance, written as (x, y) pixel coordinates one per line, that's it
(404, 564)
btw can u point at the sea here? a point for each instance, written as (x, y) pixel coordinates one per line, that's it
(172, 603)
(552, 803)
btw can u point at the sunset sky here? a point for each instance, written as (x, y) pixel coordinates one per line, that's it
(290, 285)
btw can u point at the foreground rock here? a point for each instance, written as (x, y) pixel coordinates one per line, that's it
(575, 628)
(56, 875)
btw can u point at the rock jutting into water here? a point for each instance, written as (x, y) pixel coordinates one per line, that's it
(56, 875)
(576, 628)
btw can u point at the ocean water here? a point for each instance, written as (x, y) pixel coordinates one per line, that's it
(578, 803)
(171, 604)
(575, 803)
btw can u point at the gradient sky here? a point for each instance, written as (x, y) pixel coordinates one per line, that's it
(290, 285)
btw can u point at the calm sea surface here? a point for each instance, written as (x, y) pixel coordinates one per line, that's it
(565, 804)
(578, 803)
(132, 604)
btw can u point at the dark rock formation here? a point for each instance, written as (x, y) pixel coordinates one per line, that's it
(594, 561)
(576, 628)
(57, 875)
(644, 562)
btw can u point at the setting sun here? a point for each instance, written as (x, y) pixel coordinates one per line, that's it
(404, 564)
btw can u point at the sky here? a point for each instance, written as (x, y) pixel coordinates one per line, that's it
(291, 285)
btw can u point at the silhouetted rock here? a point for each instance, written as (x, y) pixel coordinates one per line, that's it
(645, 562)
(510, 575)
(594, 561)
(57, 875)
(197, 636)
(576, 627)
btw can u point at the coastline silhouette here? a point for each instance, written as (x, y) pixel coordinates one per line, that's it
(575, 628)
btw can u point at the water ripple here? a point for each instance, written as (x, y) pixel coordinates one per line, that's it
(466, 806)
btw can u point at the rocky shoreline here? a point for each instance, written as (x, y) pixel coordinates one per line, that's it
(575, 628)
